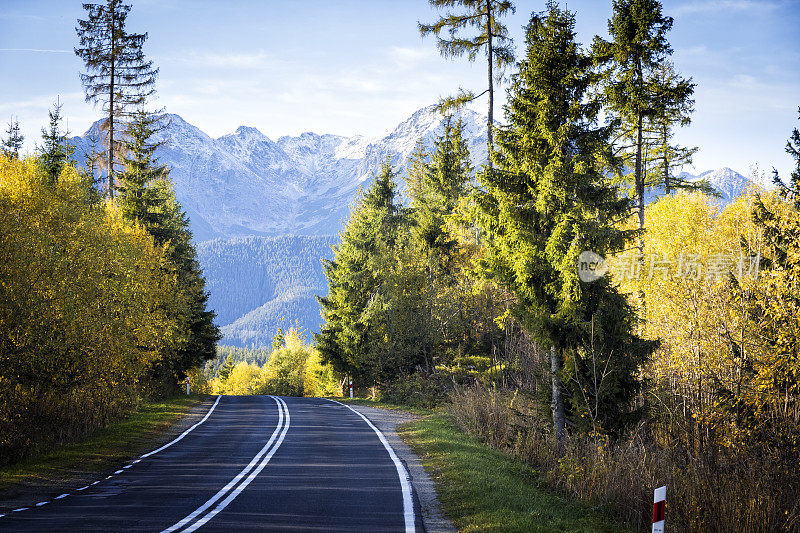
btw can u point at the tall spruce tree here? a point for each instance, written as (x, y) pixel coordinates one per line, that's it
(146, 196)
(436, 185)
(201, 332)
(550, 199)
(138, 198)
(664, 156)
(56, 151)
(356, 276)
(442, 182)
(633, 90)
(12, 144)
(776, 303)
(118, 77)
(492, 37)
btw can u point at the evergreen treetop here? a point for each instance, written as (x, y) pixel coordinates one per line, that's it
(492, 36)
(56, 151)
(12, 144)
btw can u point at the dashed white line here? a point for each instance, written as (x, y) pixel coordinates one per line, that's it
(167, 445)
(405, 485)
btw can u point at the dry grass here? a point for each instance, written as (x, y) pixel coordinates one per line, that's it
(751, 491)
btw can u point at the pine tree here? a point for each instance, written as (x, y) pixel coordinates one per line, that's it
(56, 151)
(201, 334)
(91, 170)
(13, 141)
(492, 37)
(634, 91)
(668, 158)
(138, 199)
(118, 76)
(548, 200)
(442, 183)
(436, 185)
(774, 300)
(278, 340)
(361, 264)
(226, 368)
(146, 196)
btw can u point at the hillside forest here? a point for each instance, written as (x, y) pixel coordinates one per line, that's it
(613, 343)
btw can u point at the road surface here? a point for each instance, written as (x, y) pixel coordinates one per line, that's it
(253, 463)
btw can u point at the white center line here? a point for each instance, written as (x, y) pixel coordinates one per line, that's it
(268, 449)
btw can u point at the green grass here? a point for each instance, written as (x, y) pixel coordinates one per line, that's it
(482, 489)
(104, 449)
(421, 411)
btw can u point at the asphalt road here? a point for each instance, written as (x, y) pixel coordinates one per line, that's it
(255, 463)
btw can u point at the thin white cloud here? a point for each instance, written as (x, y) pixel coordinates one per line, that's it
(406, 57)
(231, 60)
(705, 6)
(36, 50)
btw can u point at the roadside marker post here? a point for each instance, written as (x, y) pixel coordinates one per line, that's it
(187, 386)
(659, 509)
(351, 389)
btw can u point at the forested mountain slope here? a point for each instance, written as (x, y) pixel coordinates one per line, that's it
(258, 284)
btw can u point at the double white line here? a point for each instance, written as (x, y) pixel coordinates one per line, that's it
(230, 491)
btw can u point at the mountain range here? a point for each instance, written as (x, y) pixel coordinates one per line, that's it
(264, 213)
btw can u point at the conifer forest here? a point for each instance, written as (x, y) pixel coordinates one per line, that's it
(560, 288)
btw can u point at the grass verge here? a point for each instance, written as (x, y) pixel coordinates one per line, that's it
(482, 489)
(102, 450)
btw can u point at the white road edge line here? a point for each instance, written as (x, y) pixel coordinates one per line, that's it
(282, 427)
(179, 437)
(408, 501)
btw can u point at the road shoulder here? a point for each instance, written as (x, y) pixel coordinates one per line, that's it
(77, 464)
(387, 420)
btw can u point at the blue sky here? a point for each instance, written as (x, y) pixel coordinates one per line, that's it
(360, 66)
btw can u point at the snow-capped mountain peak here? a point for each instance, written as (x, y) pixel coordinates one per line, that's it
(243, 183)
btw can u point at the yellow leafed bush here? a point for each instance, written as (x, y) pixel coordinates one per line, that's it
(85, 302)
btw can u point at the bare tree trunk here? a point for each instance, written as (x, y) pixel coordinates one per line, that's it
(639, 180)
(557, 405)
(490, 121)
(111, 112)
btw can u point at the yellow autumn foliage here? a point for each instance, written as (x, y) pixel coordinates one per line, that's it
(713, 368)
(294, 369)
(85, 307)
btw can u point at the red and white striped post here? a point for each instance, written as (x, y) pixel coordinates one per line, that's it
(659, 509)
